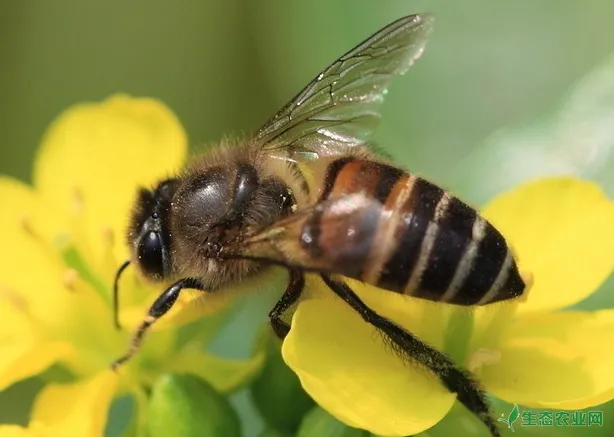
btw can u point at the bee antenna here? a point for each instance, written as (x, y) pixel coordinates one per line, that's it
(120, 270)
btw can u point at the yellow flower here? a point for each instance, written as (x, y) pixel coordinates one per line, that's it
(62, 241)
(530, 353)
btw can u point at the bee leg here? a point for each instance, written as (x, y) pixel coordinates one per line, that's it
(162, 304)
(293, 292)
(409, 347)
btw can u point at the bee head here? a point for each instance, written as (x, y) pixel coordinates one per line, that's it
(148, 234)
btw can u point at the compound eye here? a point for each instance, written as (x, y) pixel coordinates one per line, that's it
(150, 254)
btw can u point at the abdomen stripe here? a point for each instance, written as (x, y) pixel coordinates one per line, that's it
(488, 263)
(417, 213)
(453, 252)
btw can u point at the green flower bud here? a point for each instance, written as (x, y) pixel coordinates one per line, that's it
(277, 391)
(271, 432)
(186, 406)
(318, 423)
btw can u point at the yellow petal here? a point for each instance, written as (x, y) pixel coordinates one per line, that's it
(89, 327)
(347, 369)
(41, 300)
(558, 360)
(24, 209)
(19, 431)
(14, 431)
(31, 272)
(24, 352)
(18, 361)
(78, 409)
(562, 230)
(95, 155)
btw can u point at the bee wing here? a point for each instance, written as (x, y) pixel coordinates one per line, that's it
(340, 108)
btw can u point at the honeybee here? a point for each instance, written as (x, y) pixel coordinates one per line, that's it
(307, 192)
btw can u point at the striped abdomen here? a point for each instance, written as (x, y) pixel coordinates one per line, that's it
(399, 232)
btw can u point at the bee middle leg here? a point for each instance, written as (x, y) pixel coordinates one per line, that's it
(410, 347)
(291, 295)
(161, 305)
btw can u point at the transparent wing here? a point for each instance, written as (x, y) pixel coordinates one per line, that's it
(340, 108)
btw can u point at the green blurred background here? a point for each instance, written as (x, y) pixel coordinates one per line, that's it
(226, 66)
(505, 91)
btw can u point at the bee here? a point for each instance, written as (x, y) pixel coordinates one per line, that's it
(308, 192)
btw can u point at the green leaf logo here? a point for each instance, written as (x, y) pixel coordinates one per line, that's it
(514, 414)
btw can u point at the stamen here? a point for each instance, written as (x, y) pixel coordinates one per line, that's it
(527, 278)
(14, 298)
(70, 278)
(109, 260)
(77, 200)
(40, 240)
(26, 225)
(483, 357)
(78, 226)
(108, 237)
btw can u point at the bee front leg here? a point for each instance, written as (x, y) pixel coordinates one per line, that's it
(162, 304)
(291, 295)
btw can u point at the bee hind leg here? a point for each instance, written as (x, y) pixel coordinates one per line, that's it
(291, 295)
(162, 304)
(412, 349)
